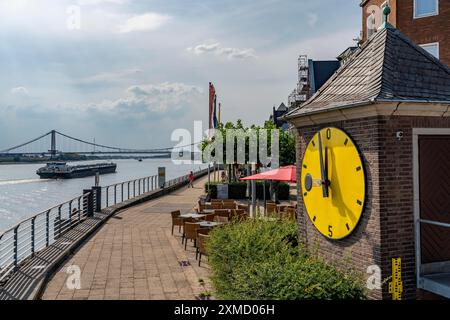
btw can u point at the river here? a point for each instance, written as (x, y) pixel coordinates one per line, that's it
(23, 194)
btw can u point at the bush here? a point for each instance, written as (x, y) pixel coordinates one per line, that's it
(238, 190)
(260, 260)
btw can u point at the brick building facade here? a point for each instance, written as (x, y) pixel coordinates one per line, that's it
(426, 27)
(381, 99)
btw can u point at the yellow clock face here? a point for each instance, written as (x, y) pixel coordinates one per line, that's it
(333, 183)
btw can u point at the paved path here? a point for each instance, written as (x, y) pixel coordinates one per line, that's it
(134, 256)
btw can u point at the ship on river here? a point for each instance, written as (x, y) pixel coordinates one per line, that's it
(61, 170)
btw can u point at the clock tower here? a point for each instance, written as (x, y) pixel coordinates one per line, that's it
(373, 159)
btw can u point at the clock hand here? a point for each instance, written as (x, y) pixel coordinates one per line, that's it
(322, 169)
(327, 180)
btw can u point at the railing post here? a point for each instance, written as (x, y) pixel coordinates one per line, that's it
(79, 210)
(121, 191)
(47, 228)
(107, 196)
(98, 198)
(128, 189)
(90, 202)
(16, 231)
(59, 221)
(115, 194)
(33, 234)
(134, 188)
(70, 215)
(148, 184)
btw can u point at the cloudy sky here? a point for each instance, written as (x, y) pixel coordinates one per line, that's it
(129, 72)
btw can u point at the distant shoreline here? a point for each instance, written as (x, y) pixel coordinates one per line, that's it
(77, 160)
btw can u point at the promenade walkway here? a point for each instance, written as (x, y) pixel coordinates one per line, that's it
(135, 257)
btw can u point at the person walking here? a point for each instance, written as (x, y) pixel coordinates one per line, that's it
(191, 180)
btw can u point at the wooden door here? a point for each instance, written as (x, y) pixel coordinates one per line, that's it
(434, 168)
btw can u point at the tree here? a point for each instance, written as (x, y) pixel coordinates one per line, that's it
(286, 139)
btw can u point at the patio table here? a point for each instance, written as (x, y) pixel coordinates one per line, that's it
(192, 215)
(209, 224)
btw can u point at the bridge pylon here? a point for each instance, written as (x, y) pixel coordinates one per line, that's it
(53, 150)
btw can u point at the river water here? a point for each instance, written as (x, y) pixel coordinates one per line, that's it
(23, 194)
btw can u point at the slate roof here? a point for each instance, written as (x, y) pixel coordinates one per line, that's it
(282, 107)
(388, 67)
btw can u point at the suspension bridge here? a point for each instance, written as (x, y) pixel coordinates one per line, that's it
(55, 143)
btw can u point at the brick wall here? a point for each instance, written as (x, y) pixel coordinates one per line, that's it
(429, 29)
(421, 31)
(386, 229)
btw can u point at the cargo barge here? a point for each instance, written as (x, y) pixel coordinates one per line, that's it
(60, 170)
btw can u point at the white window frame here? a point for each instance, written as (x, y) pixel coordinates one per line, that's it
(427, 14)
(432, 44)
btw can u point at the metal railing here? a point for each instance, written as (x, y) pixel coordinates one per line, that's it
(40, 231)
(123, 191)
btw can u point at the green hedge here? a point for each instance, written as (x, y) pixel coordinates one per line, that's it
(260, 260)
(237, 190)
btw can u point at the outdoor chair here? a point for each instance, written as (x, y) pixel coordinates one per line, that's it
(271, 210)
(229, 205)
(176, 220)
(228, 201)
(216, 205)
(200, 207)
(243, 207)
(190, 233)
(222, 213)
(216, 201)
(190, 220)
(236, 213)
(201, 231)
(202, 238)
(290, 213)
(221, 219)
(210, 217)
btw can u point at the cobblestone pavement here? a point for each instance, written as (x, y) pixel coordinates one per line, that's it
(134, 256)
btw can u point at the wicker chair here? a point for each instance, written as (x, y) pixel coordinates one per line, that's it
(202, 238)
(271, 210)
(209, 217)
(190, 233)
(216, 205)
(243, 207)
(189, 220)
(236, 213)
(290, 213)
(176, 220)
(201, 231)
(222, 213)
(229, 205)
(221, 219)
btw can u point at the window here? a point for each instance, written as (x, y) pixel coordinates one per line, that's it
(425, 8)
(432, 48)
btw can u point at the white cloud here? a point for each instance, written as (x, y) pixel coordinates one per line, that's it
(216, 48)
(146, 22)
(20, 91)
(149, 100)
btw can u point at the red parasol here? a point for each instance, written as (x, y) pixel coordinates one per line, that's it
(288, 174)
